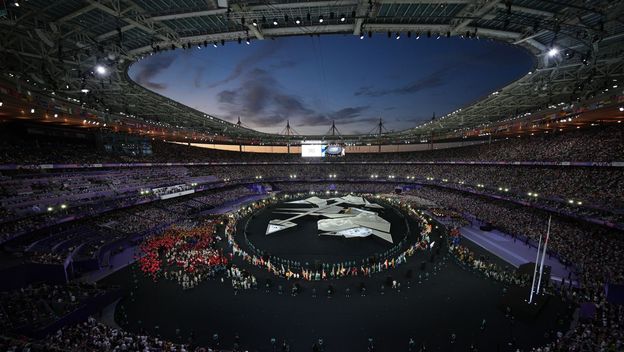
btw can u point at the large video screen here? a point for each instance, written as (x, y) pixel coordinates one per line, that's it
(317, 150)
(313, 150)
(334, 150)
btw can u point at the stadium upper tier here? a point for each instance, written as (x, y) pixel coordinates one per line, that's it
(47, 182)
(54, 49)
(572, 145)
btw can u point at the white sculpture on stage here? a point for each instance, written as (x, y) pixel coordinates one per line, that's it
(339, 220)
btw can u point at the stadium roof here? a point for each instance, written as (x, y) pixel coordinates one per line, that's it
(58, 44)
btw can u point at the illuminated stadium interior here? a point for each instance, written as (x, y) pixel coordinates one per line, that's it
(382, 175)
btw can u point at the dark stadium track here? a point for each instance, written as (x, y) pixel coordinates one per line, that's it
(452, 300)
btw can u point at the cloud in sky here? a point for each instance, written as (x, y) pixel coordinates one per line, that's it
(152, 68)
(429, 82)
(433, 80)
(264, 103)
(248, 61)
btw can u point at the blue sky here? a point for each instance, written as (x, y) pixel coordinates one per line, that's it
(313, 81)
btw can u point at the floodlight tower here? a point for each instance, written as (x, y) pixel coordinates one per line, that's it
(380, 129)
(333, 131)
(288, 132)
(240, 124)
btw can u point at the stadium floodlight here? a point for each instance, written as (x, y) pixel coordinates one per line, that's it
(63, 206)
(553, 52)
(100, 69)
(50, 208)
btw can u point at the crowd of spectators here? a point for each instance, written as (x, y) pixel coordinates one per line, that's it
(568, 144)
(84, 238)
(592, 249)
(92, 336)
(332, 188)
(591, 186)
(36, 306)
(29, 192)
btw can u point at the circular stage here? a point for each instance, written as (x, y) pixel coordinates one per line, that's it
(305, 243)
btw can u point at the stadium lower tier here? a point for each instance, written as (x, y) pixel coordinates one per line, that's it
(32, 199)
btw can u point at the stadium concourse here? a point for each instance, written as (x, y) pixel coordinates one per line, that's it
(133, 219)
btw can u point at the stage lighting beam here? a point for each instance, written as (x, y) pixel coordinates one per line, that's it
(553, 52)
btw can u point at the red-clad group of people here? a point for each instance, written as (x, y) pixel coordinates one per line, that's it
(182, 254)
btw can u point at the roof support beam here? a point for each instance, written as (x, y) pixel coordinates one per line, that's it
(477, 13)
(135, 23)
(337, 28)
(299, 5)
(528, 11)
(431, 2)
(361, 12)
(534, 43)
(107, 35)
(75, 14)
(273, 7)
(254, 29)
(178, 16)
(256, 32)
